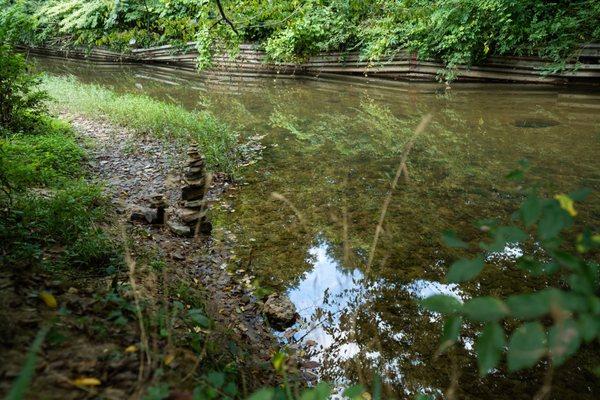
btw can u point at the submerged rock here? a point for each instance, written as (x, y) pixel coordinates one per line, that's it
(535, 123)
(280, 311)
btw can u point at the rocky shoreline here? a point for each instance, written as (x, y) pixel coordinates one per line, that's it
(143, 175)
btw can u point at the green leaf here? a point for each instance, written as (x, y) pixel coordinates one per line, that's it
(503, 235)
(565, 301)
(464, 270)
(528, 306)
(563, 340)
(321, 392)
(199, 317)
(485, 309)
(451, 240)
(489, 346)
(263, 394)
(515, 175)
(441, 303)
(354, 392)
(568, 260)
(530, 210)
(215, 379)
(580, 195)
(589, 326)
(526, 346)
(552, 222)
(424, 397)
(535, 267)
(450, 332)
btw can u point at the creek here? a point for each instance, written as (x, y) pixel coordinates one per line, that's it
(305, 215)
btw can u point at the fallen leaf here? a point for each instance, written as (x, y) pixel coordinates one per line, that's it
(168, 359)
(49, 299)
(86, 382)
(131, 349)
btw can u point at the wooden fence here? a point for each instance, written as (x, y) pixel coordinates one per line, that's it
(403, 66)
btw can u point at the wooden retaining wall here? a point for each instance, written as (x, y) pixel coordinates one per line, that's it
(403, 66)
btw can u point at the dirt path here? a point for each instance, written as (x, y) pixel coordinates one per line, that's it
(135, 168)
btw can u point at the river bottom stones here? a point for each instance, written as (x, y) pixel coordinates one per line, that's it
(535, 123)
(280, 311)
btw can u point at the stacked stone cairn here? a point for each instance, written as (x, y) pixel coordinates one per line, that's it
(155, 214)
(192, 196)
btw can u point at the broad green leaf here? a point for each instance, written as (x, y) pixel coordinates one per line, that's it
(581, 284)
(489, 346)
(199, 317)
(563, 340)
(503, 235)
(561, 301)
(321, 392)
(485, 309)
(567, 260)
(580, 195)
(465, 269)
(589, 326)
(551, 223)
(215, 379)
(354, 392)
(535, 267)
(530, 210)
(451, 240)
(515, 175)
(526, 346)
(528, 306)
(450, 332)
(263, 394)
(442, 303)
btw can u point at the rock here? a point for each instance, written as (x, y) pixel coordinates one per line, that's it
(192, 192)
(188, 216)
(137, 214)
(193, 203)
(151, 216)
(280, 311)
(179, 229)
(205, 226)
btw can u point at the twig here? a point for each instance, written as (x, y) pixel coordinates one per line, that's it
(402, 167)
(224, 17)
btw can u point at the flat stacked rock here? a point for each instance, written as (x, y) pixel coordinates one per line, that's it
(155, 214)
(192, 195)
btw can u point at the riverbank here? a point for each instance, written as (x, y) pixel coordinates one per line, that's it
(403, 66)
(130, 309)
(195, 318)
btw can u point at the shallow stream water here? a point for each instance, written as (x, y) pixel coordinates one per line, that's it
(306, 216)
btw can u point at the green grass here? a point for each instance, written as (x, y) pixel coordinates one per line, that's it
(148, 116)
(47, 204)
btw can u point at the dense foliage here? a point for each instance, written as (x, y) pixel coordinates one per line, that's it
(44, 199)
(456, 31)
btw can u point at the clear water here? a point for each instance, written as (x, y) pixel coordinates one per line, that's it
(332, 149)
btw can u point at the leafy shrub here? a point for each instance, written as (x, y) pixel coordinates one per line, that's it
(564, 254)
(41, 160)
(21, 102)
